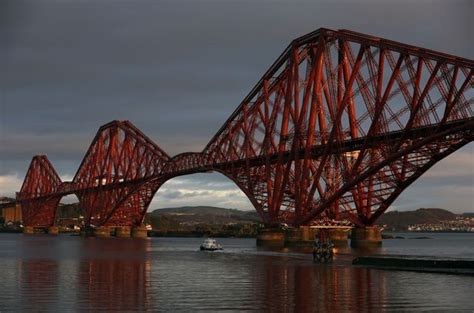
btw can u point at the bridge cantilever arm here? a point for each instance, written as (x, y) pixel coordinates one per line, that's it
(347, 186)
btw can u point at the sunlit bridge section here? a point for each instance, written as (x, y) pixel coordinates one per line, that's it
(37, 197)
(114, 177)
(336, 129)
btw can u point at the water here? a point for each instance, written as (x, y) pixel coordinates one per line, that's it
(62, 274)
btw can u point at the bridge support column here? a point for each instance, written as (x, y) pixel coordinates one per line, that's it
(301, 236)
(338, 237)
(271, 237)
(28, 230)
(366, 237)
(123, 232)
(139, 232)
(102, 232)
(53, 230)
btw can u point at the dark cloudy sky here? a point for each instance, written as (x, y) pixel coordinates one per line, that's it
(177, 69)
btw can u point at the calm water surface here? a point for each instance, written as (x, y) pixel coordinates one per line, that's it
(41, 273)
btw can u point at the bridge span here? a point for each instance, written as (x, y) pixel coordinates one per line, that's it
(336, 129)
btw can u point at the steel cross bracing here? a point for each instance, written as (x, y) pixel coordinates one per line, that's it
(337, 128)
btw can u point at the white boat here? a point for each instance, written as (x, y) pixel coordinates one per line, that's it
(211, 245)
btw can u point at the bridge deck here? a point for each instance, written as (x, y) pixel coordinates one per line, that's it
(315, 152)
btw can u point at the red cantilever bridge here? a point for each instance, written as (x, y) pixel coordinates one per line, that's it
(337, 128)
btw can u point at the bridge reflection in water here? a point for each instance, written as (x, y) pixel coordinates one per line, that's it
(169, 274)
(83, 275)
(39, 284)
(320, 288)
(115, 283)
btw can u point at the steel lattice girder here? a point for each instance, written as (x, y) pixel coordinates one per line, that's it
(337, 128)
(37, 193)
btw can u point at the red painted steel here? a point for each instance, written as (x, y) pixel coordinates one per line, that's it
(111, 181)
(336, 129)
(38, 196)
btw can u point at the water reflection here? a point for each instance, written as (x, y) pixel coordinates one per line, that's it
(55, 274)
(117, 277)
(303, 287)
(75, 274)
(38, 273)
(39, 284)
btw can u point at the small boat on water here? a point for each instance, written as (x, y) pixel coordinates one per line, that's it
(211, 245)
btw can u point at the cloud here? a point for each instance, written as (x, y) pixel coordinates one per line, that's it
(457, 199)
(9, 184)
(169, 194)
(460, 163)
(66, 177)
(201, 189)
(449, 184)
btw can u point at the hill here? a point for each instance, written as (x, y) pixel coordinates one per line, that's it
(69, 210)
(190, 217)
(198, 221)
(396, 220)
(6, 199)
(205, 215)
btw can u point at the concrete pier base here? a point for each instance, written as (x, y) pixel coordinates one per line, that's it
(139, 232)
(270, 237)
(102, 232)
(301, 236)
(338, 237)
(53, 230)
(123, 232)
(366, 237)
(28, 230)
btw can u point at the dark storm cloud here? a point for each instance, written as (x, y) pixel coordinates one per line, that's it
(176, 69)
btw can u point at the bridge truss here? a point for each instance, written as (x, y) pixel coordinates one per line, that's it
(337, 128)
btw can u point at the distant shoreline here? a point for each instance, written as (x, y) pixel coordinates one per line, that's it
(197, 234)
(427, 232)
